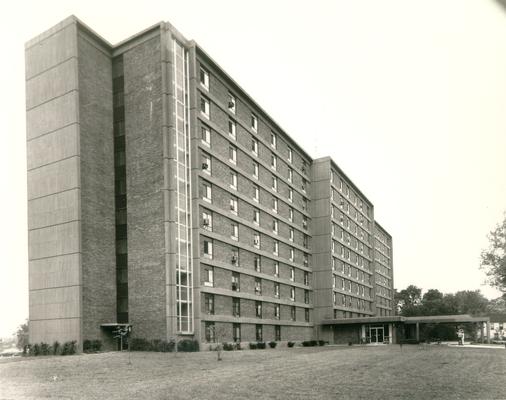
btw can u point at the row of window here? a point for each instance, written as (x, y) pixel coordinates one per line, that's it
(351, 271)
(235, 284)
(209, 303)
(345, 284)
(347, 254)
(342, 300)
(350, 194)
(350, 240)
(213, 335)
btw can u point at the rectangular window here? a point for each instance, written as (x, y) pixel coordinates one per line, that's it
(232, 129)
(207, 220)
(204, 107)
(276, 290)
(258, 286)
(206, 135)
(206, 163)
(292, 255)
(277, 331)
(290, 214)
(258, 264)
(209, 303)
(204, 78)
(292, 274)
(273, 140)
(256, 193)
(259, 333)
(290, 175)
(306, 296)
(208, 249)
(231, 103)
(209, 276)
(256, 217)
(275, 205)
(254, 122)
(276, 269)
(232, 154)
(275, 226)
(274, 161)
(233, 205)
(254, 146)
(258, 309)
(290, 155)
(255, 170)
(236, 328)
(235, 282)
(235, 257)
(234, 234)
(210, 337)
(236, 307)
(233, 180)
(293, 313)
(274, 183)
(306, 278)
(290, 194)
(306, 314)
(275, 249)
(291, 235)
(256, 240)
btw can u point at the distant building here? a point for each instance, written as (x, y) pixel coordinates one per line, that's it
(162, 196)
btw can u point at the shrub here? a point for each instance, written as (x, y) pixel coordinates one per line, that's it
(252, 345)
(261, 345)
(228, 346)
(321, 343)
(56, 348)
(188, 345)
(272, 345)
(167, 347)
(45, 349)
(96, 345)
(69, 348)
(140, 344)
(35, 349)
(27, 349)
(87, 346)
(290, 344)
(238, 346)
(310, 343)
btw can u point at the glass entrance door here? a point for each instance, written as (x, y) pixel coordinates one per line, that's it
(376, 333)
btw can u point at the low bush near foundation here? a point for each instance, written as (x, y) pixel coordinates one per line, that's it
(272, 345)
(92, 346)
(261, 345)
(321, 343)
(44, 349)
(309, 343)
(290, 344)
(252, 346)
(188, 345)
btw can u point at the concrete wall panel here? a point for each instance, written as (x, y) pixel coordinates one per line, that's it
(53, 178)
(54, 272)
(48, 331)
(55, 303)
(54, 209)
(54, 240)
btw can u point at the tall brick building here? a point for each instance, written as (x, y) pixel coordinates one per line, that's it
(161, 195)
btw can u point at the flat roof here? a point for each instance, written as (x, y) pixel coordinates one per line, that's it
(363, 320)
(427, 319)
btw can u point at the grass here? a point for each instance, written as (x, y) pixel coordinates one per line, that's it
(433, 372)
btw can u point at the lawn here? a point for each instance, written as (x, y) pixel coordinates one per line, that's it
(381, 372)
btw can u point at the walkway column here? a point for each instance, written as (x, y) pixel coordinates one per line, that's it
(418, 331)
(488, 331)
(481, 332)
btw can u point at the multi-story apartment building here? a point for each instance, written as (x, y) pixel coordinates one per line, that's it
(161, 195)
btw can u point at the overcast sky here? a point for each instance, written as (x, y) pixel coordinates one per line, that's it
(408, 97)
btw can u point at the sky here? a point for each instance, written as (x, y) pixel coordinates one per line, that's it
(408, 97)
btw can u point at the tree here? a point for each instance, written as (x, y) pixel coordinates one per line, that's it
(471, 302)
(493, 259)
(22, 335)
(408, 300)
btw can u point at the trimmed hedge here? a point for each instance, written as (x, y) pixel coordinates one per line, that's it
(92, 346)
(44, 349)
(290, 344)
(272, 345)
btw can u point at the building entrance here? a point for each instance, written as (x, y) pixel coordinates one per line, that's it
(376, 334)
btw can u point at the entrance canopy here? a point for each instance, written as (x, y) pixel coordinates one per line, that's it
(363, 320)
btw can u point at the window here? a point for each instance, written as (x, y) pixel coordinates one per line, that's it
(306, 278)
(277, 331)
(232, 154)
(291, 235)
(275, 249)
(204, 78)
(235, 282)
(255, 170)
(258, 264)
(274, 161)
(276, 290)
(207, 220)
(231, 128)
(209, 276)
(290, 175)
(274, 183)
(293, 313)
(234, 233)
(210, 337)
(290, 194)
(304, 222)
(256, 240)
(304, 184)
(236, 331)
(236, 307)
(233, 180)
(204, 107)
(233, 205)
(259, 335)
(208, 249)
(254, 122)
(256, 217)
(292, 274)
(231, 103)
(206, 163)
(209, 303)
(292, 255)
(275, 226)
(256, 193)
(306, 296)
(290, 214)
(206, 135)
(275, 205)
(254, 146)
(290, 155)
(306, 314)
(276, 269)
(258, 286)
(273, 139)
(235, 257)
(258, 309)
(306, 260)
(207, 192)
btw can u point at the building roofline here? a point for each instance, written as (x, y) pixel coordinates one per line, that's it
(382, 229)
